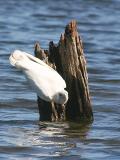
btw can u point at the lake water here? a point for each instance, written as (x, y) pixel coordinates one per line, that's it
(22, 23)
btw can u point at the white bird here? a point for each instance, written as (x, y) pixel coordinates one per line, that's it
(43, 79)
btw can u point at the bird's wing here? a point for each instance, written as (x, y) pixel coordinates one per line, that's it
(54, 72)
(38, 86)
(50, 76)
(37, 60)
(31, 57)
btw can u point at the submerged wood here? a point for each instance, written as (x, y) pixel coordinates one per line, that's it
(67, 57)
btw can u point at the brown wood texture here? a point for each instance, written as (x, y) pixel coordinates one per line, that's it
(67, 57)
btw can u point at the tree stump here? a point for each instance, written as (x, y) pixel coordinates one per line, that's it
(67, 57)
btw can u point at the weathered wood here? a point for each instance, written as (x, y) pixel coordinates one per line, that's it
(67, 57)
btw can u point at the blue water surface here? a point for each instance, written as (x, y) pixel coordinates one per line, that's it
(22, 23)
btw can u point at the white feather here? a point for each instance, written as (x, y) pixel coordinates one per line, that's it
(44, 80)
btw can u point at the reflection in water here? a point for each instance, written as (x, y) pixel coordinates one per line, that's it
(21, 24)
(77, 130)
(54, 139)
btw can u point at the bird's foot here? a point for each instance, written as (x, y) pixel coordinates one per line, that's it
(54, 113)
(54, 118)
(63, 113)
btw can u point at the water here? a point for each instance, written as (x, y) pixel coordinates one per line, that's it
(22, 23)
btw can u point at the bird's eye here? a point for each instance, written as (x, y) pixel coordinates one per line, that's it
(60, 94)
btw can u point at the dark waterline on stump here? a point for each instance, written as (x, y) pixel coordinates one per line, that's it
(22, 23)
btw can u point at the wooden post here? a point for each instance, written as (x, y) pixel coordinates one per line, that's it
(67, 57)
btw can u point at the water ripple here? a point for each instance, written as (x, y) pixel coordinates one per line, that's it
(22, 23)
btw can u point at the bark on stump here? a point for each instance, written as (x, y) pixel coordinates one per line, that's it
(67, 57)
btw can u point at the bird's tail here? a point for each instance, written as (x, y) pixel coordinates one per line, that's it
(12, 60)
(17, 64)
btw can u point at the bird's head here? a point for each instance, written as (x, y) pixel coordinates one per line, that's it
(61, 97)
